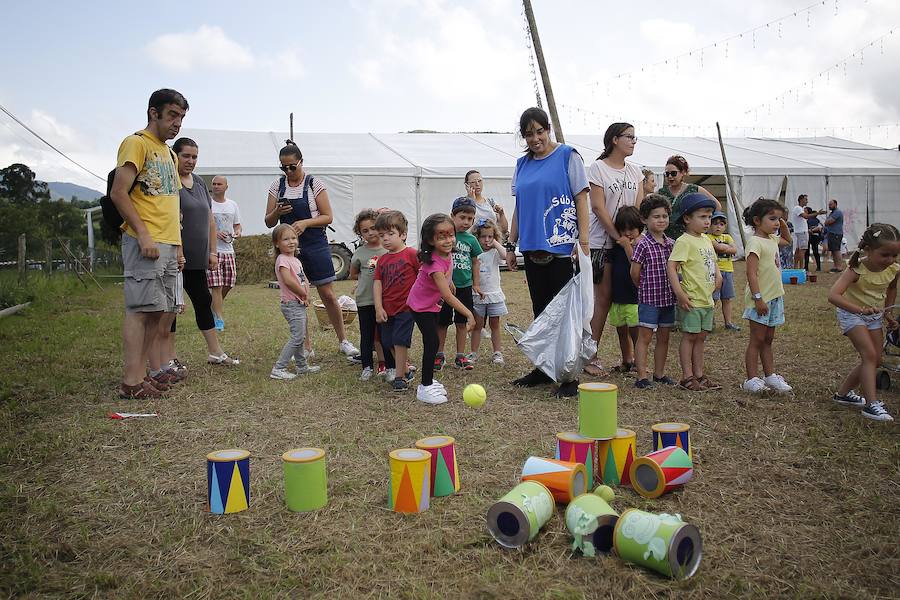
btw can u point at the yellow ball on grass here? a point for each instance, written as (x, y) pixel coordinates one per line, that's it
(474, 395)
(605, 492)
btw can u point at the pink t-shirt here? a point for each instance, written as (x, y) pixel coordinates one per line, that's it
(424, 295)
(292, 263)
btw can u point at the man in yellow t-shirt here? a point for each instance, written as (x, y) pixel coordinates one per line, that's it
(694, 275)
(725, 249)
(145, 192)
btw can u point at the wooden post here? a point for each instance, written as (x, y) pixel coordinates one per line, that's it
(23, 265)
(66, 247)
(545, 76)
(48, 257)
(730, 187)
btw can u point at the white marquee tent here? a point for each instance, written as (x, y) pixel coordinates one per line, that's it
(421, 173)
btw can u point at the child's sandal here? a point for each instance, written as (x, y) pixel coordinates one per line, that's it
(707, 384)
(690, 384)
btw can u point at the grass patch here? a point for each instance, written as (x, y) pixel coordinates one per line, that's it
(794, 496)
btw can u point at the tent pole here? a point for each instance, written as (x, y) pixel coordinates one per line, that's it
(545, 76)
(292, 126)
(730, 187)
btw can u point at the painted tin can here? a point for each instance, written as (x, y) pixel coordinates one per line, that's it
(305, 479)
(517, 517)
(597, 410)
(591, 521)
(663, 543)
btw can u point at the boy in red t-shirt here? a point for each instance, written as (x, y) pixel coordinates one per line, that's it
(394, 276)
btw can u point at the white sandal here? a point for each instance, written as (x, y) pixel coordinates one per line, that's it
(222, 360)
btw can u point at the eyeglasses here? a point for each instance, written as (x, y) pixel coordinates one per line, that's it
(671, 173)
(292, 167)
(633, 138)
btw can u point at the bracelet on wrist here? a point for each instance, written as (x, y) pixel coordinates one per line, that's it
(510, 247)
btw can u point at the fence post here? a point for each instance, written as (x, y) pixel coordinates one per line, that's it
(23, 265)
(48, 257)
(68, 254)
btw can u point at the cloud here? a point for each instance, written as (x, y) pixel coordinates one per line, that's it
(369, 73)
(285, 65)
(206, 47)
(19, 146)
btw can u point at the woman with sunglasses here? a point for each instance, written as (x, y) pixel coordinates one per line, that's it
(485, 208)
(615, 183)
(301, 201)
(675, 188)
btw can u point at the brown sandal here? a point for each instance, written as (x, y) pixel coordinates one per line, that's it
(141, 391)
(707, 384)
(690, 384)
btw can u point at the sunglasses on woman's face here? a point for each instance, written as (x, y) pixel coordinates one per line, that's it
(671, 173)
(292, 167)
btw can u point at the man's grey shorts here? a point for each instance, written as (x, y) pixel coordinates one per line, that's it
(149, 284)
(801, 241)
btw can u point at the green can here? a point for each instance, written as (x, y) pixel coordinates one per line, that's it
(305, 481)
(518, 516)
(597, 410)
(663, 543)
(591, 521)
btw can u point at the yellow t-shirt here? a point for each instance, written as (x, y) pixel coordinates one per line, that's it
(155, 194)
(725, 261)
(769, 274)
(871, 287)
(698, 268)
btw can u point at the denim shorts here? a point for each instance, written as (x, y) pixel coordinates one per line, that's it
(775, 316)
(848, 320)
(652, 317)
(727, 290)
(398, 330)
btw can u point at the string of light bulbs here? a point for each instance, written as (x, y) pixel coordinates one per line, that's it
(724, 42)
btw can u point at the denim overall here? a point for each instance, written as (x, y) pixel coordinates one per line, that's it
(315, 255)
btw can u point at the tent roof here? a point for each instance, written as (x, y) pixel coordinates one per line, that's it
(494, 154)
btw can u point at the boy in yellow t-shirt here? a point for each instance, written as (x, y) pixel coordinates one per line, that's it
(725, 249)
(694, 259)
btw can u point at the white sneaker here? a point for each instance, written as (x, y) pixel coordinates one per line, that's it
(498, 358)
(777, 383)
(472, 356)
(875, 411)
(282, 374)
(308, 369)
(390, 375)
(348, 348)
(754, 385)
(431, 394)
(366, 374)
(439, 384)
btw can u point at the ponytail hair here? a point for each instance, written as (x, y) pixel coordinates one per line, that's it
(759, 209)
(426, 248)
(872, 238)
(612, 132)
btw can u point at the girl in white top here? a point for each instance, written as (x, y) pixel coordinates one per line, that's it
(491, 303)
(614, 183)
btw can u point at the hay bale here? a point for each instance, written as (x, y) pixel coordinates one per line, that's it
(255, 259)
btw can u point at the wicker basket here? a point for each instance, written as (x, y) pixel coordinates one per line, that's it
(325, 322)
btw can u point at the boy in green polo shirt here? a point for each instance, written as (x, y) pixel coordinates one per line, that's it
(694, 259)
(465, 280)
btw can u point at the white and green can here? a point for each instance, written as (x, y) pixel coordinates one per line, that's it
(591, 521)
(517, 517)
(663, 543)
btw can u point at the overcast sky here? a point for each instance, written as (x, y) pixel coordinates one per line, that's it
(81, 76)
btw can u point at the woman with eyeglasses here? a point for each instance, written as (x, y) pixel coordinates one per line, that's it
(485, 208)
(550, 217)
(675, 188)
(615, 183)
(301, 200)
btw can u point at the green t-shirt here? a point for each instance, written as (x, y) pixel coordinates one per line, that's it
(698, 268)
(465, 252)
(768, 273)
(365, 259)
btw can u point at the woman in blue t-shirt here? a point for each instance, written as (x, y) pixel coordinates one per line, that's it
(551, 215)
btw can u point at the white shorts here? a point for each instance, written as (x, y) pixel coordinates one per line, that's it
(801, 241)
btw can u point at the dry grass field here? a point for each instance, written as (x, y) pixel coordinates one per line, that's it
(794, 496)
